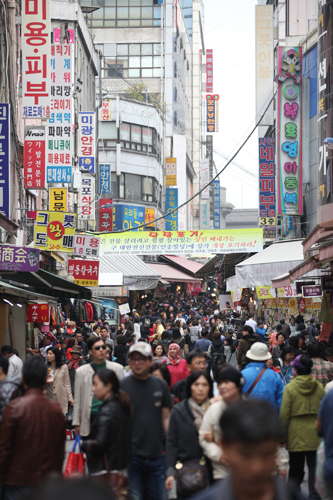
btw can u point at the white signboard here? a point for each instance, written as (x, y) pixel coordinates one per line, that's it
(87, 198)
(87, 246)
(124, 309)
(205, 178)
(264, 62)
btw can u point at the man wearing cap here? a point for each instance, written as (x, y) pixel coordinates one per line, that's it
(15, 363)
(151, 404)
(129, 325)
(260, 382)
(74, 363)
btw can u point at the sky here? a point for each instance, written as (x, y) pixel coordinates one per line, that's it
(230, 32)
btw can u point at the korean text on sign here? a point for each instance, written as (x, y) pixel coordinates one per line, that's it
(58, 199)
(4, 159)
(217, 208)
(87, 133)
(171, 202)
(85, 272)
(34, 158)
(55, 231)
(267, 186)
(209, 70)
(104, 178)
(212, 113)
(171, 171)
(87, 198)
(105, 215)
(36, 28)
(86, 246)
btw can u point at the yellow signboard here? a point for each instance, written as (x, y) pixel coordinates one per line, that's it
(171, 171)
(58, 199)
(149, 216)
(55, 231)
(267, 221)
(264, 292)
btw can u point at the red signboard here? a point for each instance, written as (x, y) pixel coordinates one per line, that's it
(209, 70)
(105, 213)
(301, 305)
(38, 313)
(85, 272)
(34, 158)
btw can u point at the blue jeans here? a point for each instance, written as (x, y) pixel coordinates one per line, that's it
(146, 479)
(17, 492)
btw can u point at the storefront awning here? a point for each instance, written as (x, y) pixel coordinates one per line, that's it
(48, 284)
(171, 274)
(7, 288)
(137, 274)
(186, 265)
(224, 263)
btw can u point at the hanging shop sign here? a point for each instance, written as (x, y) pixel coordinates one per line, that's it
(19, 259)
(212, 112)
(312, 291)
(4, 159)
(38, 313)
(87, 198)
(58, 199)
(60, 137)
(267, 187)
(149, 217)
(183, 242)
(104, 178)
(34, 157)
(308, 303)
(287, 291)
(327, 283)
(87, 131)
(265, 292)
(292, 303)
(111, 291)
(171, 171)
(128, 217)
(264, 37)
(209, 155)
(35, 36)
(105, 111)
(59, 174)
(171, 202)
(55, 231)
(236, 295)
(105, 215)
(205, 178)
(301, 305)
(216, 200)
(289, 127)
(124, 309)
(209, 70)
(85, 272)
(281, 303)
(205, 214)
(86, 246)
(56, 33)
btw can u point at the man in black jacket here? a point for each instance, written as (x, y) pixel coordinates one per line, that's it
(7, 384)
(196, 360)
(81, 343)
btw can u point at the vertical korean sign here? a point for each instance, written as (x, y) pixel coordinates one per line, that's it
(59, 151)
(105, 215)
(36, 28)
(267, 187)
(212, 112)
(34, 157)
(58, 199)
(205, 178)
(171, 202)
(4, 160)
(104, 178)
(171, 171)
(209, 70)
(87, 198)
(264, 63)
(87, 133)
(289, 128)
(216, 199)
(105, 111)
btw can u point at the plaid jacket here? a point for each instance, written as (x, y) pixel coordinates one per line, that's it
(322, 370)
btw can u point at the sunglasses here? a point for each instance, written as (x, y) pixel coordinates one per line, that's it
(100, 347)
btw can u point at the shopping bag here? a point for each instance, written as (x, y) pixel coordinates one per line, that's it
(69, 417)
(76, 461)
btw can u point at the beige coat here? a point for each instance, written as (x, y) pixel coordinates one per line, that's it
(84, 394)
(62, 392)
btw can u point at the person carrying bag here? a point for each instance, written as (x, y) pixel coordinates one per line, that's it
(76, 461)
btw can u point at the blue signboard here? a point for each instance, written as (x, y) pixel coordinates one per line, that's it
(4, 159)
(104, 178)
(127, 217)
(171, 202)
(217, 208)
(59, 174)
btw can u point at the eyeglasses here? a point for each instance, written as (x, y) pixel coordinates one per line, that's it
(100, 347)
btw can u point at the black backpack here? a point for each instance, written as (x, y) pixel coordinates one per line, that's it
(218, 358)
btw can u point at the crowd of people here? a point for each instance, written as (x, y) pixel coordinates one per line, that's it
(182, 400)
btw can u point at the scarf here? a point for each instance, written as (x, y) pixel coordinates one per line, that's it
(174, 361)
(75, 363)
(198, 411)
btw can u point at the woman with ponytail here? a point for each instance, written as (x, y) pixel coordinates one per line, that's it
(110, 437)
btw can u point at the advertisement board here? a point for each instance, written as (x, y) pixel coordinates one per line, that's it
(38, 313)
(86, 246)
(4, 159)
(55, 231)
(34, 157)
(171, 202)
(85, 272)
(105, 214)
(171, 171)
(19, 259)
(58, 199)
(87, 137)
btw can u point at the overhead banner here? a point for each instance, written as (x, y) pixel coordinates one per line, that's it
(19, 259)
(35, 36)
(87, 137)
(289, 128)
(264, 63)
(267, 187)
(105, 111)
(265, 292)
(171, 171)
(205, 178)
(104, 178)
(105, 215)
(212, 112)
(171, 202)
(87, 198)
(55, 231)
(85, 272)
(209, 70)
(86, 246)
(5, 160)
(183, 242)
(34, 157)
(60, 136)
(217, 205)
(58, 199)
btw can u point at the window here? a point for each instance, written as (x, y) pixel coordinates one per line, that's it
(136, 188)
(134, 61)
(147, 189)
(114, 185)
(123, 13)
(133, 190)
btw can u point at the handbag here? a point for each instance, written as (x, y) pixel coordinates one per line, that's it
(192, 476)
(76, 461)
(69, 417)
(114, 480)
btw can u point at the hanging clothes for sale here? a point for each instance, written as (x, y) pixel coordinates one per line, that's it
(90, 312)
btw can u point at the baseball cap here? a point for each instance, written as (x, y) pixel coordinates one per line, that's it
(142, 348)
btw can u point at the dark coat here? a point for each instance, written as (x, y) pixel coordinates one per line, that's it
(72, 373)
(179, 390)
(244, 345)
(112, 431)
(7, 387)
(182, 439)
(120, 352)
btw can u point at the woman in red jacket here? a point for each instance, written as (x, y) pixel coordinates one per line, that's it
(176, 366)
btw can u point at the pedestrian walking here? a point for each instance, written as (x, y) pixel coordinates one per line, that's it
(321, 370)
(196, 361)
(58, 385)
(74, 364)
(244, 345)
(8, 384)
(325, 430)
(285, 360)
(230, 352)
(176, 366)
(15, 363)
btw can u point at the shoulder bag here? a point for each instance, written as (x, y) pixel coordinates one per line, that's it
(192, 476)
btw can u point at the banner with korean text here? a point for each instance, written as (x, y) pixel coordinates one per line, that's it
(55, 231)
(289, 128)
(86, 246)
(87, 137)
(209, 70)
(171, 202)
(35, 36)
(34, 157)
(264, 37)
(212, 112)
(183, 242)
(4, 159)
(105, 214)
(58, 199)
(104, 178)
(267, 187)
(217, 204)
(85, 272)
(87, 198)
